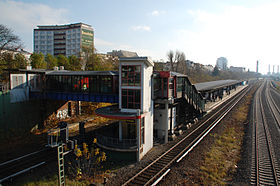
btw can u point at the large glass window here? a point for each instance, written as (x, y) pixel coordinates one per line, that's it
(106, 86)
(84, 84)
(94, 84)
(131, 75)
(76, 84)
(131, 98)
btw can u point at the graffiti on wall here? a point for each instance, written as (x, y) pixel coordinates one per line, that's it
(62, 114)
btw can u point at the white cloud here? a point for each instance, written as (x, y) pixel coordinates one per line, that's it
(24, 17)
(157, 13)
(243, 35)
(141, 28)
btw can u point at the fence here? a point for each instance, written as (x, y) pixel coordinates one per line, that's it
(116, 142)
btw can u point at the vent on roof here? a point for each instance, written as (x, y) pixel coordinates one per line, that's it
(61, 67)
(55, 68)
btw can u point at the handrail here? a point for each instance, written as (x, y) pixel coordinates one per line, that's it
(116, 142)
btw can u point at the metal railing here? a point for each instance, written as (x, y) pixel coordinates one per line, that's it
(116, 142)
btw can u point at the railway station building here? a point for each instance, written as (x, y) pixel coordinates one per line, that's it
(147, 105)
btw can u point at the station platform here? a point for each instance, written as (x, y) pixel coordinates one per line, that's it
(209, 106)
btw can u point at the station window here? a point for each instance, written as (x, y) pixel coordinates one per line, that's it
(131, 98)
(106, 86)
(131, 75)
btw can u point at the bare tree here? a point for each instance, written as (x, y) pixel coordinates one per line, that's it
(180, 59)
(8, 40)
(177, 61)
(170, 58)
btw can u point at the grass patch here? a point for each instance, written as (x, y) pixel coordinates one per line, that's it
(220, 163)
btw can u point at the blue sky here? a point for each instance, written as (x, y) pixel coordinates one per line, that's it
(241, 31)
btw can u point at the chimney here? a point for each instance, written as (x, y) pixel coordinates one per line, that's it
(257, 68)
(61, 67)
(55, 68)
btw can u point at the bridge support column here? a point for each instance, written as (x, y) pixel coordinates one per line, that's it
(78, 108)
(120, 130)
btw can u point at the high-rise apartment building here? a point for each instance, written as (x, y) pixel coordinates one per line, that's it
(222, 63)
(63, 39)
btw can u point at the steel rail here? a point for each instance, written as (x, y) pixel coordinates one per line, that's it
(21, 157)
(266, 172)
(273, 104)
(222, 112)
(24, 163)
(22, 171)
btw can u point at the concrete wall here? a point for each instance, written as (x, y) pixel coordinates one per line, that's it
(22, 117)
(163, 124)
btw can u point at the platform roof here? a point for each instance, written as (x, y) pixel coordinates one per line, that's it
(83, 73)
(178, 74)
(212, 85)
(69, 73)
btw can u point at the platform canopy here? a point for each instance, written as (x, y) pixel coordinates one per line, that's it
(213, 85)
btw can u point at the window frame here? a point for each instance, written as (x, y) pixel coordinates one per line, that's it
(130, 77)
(130, 99)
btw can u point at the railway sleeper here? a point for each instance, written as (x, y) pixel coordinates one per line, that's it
(160, 164)
(146, 175)
(152, 170)
(139, 181)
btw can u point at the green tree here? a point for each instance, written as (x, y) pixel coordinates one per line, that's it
(216, 71)
(10, 61)
(93, 61)
(38, 61)
(74, 63)
(63, 61)
(51, 61)
(21, 61)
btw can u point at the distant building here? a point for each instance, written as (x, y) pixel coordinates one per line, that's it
(63, 39)
(236, 69)
(25, 53)
(208, 67)
(189, 63)
(222, 63)
(122, 53)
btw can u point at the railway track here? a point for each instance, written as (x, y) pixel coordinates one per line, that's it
(265, 168)
(23, 164)
(153, 173)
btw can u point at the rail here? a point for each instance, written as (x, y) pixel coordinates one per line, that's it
(264, 163)
(152, 172)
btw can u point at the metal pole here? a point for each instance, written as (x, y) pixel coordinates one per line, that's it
(138, 134)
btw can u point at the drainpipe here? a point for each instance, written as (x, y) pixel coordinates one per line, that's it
(171, 119)
(138, 134)
(166, 122)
